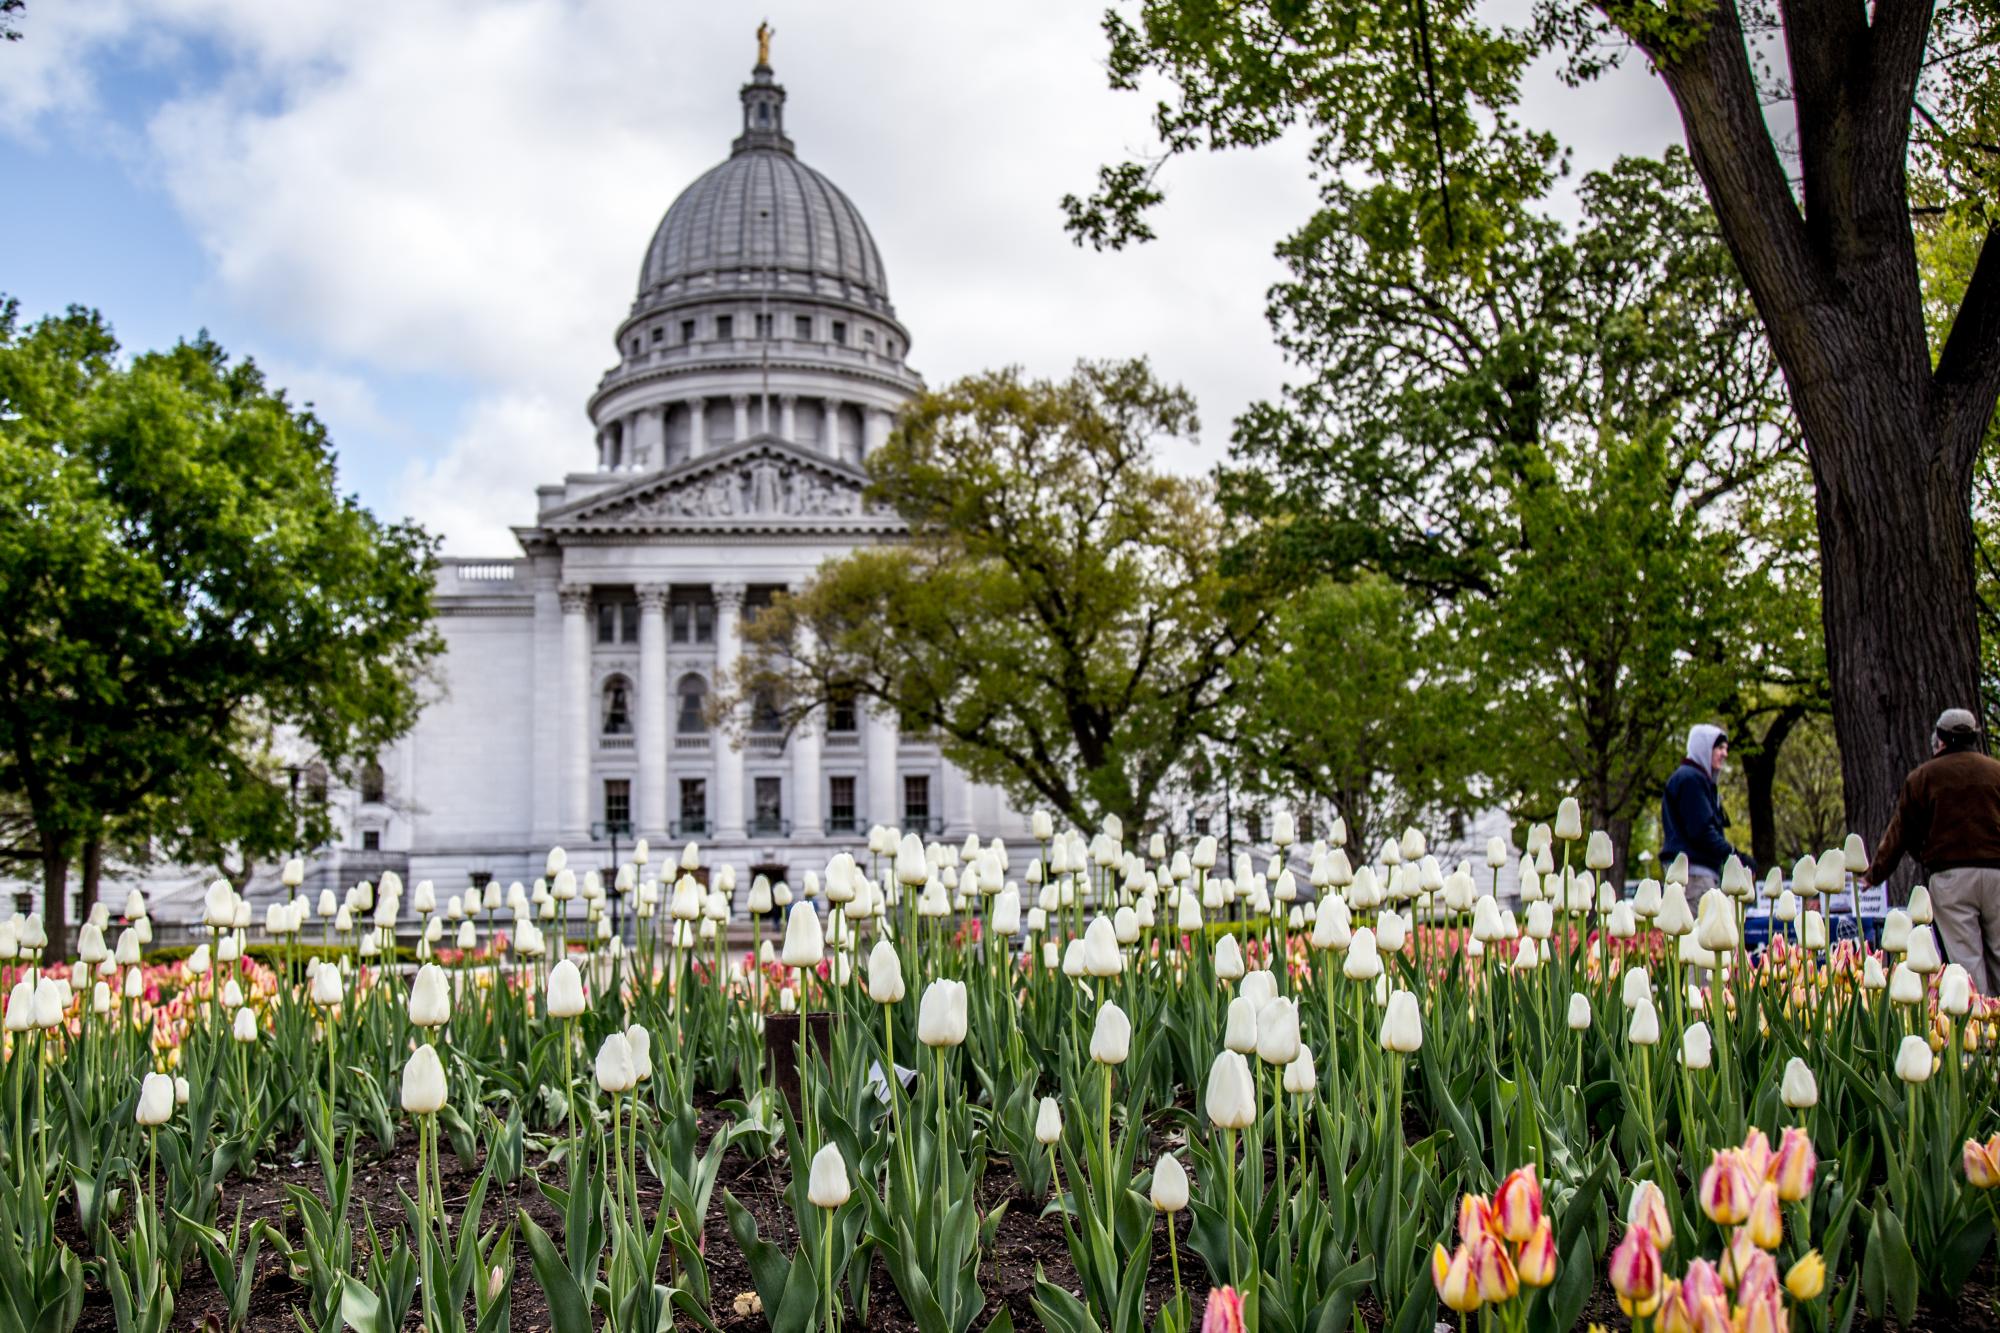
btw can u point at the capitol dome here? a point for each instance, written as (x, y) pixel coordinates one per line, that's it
(764, 218)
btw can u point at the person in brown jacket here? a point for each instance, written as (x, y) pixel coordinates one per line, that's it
(1948, 818)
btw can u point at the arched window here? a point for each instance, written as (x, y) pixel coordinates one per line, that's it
(371, 783)
(764, 716)
(617, 707)
(692, 720)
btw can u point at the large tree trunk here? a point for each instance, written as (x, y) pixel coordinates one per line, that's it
(55, 896)
(93, 868)
(1760, 778)
(1896, 589)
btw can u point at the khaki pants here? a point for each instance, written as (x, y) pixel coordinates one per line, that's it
(1965, 906)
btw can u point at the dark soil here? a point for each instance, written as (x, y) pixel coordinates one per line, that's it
(1027, 1240)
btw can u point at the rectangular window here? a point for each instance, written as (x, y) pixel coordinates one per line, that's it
(659, 334)
(618, 804)
(1256, 823)
(687, 330)
(763, 326)
(917, 801)
(371, 840)
(868, 337)
(802, 328)
(704, 622)
(767, 816)
(840, 812)
(725, 326)
(841, 714)
(607, 623)
(840, 331)
(1201, 826)
(694, 805)
(617, 622)
(1305, 826)
(683, 621)
(481, 878)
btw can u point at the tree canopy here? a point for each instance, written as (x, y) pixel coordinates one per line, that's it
(180, 576)
(1057, 617)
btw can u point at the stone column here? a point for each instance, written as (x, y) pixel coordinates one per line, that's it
(576, 710)
(741, 402)
(808, 785)
(788, 419)
(957, 797)
(649, 812)
(546, 724)
(878, 740)
(875, 423)
(829, 427)
(697, 427)
(728, 796)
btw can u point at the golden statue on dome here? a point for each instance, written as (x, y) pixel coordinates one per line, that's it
(765, 32)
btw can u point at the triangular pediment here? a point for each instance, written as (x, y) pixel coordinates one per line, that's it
(762, 484)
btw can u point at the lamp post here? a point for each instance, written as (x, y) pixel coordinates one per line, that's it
(613, 829)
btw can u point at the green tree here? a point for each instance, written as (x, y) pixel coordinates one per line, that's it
(1614, 628)
(178, 574)
(1056, 617)
(1340, 703)
(1894, 112)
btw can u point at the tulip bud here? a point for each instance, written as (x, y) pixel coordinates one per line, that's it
(1402, 1024)
(1111, 1038)
(1048, 1123)
(430, 997)
(1170, 1185)
(941, 1014)
(1579, 1012)
(1913, 1060)
(1278, 1032)
(1597, 851)
(1228, 958)
(826, 1182)
(156, 1101)
(805, 940)
(1955, 991)
(1697, 1047)
(885, 973)
(565, 998)
(1635, 1274)
(1799, 1089)
(1922, 957)
(1363, 962)
(1644, 1026)
(1806, 1279)
(1982, 1163)
(423, 1082)
(1905, 986)
(1457, 1285)
(1794, 1166)
(1231, 1097)
(615, 1070)
(1919, 907)
(1301, 1078)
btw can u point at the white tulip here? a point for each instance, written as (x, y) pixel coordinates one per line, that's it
(1905, 986)
(1569, 819)
(1955, 991)
(1231, 1096)
(1920, 905)
(941, 1014)
(1923, 952)
(1228, 958)
(423, 1082)
(616, 1072)
(1048, 1123)
(430, 997)
(1402, 1024)
(1239, 1029)
(1799, 1089)
(805, 940)
(156, 1101)
(1111, 1038)
(1300, 1075)
(1364, 961)
(1278, 1032)
(1579, 1012)
(1170, 1185)
(565, 990)
(1913, 1060)
(1644, 1027)
(1697, 1047)
(826, 1181)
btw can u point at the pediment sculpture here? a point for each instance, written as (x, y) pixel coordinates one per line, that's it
(763, 488)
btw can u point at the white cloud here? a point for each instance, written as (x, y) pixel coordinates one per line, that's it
(464, 190)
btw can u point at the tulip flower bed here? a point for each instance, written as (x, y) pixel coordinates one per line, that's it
(1069, 1086)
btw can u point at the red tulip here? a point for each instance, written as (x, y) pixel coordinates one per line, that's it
(1224, 1312)
(1536, 1262)
(1635, 1273)
(1517, 1204)
(1795, 1166)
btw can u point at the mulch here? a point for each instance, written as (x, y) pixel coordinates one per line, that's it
(1028, 1242)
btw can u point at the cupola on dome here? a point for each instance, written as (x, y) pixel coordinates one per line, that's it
(764, 219)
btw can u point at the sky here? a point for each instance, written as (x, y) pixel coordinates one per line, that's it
(426, 217)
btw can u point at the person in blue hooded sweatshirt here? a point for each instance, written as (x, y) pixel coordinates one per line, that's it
(1691, 817)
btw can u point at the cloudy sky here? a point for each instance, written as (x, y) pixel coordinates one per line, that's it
(426, 216)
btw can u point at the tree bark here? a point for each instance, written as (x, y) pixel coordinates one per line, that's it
(93, 867)
(1892, 443)
(55, 896)
(1760, 777)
